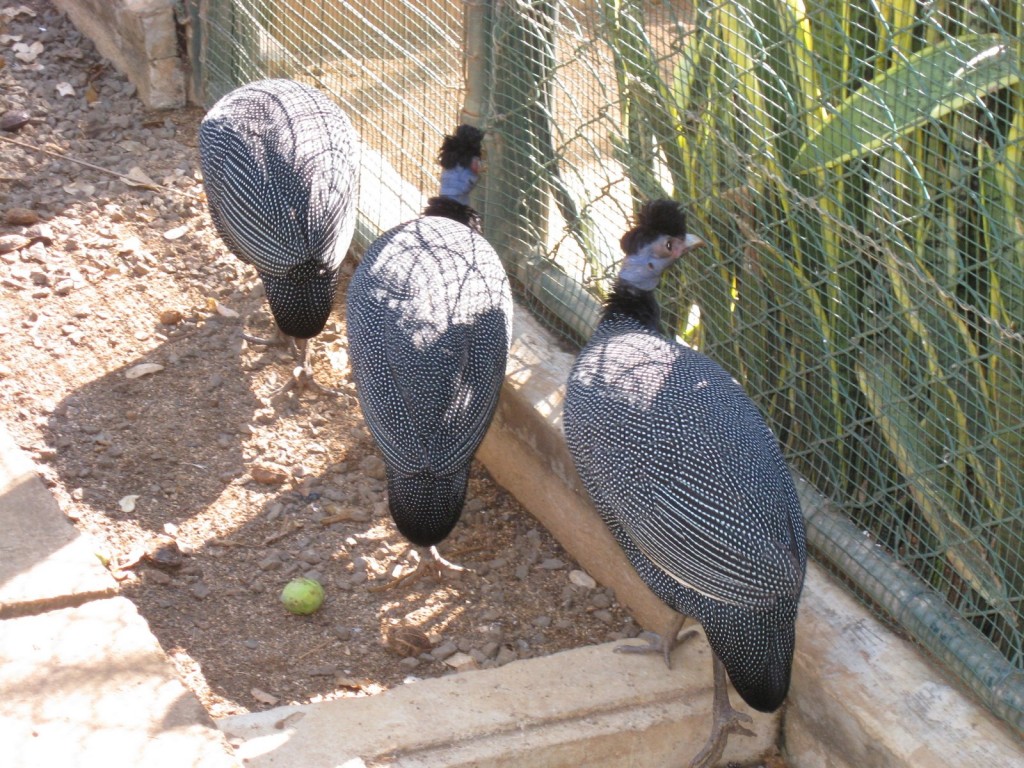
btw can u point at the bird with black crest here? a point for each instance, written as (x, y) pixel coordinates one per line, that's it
(429, 316)
(690, 480)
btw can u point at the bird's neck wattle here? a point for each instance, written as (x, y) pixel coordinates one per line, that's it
(457, 183)
(629, 301)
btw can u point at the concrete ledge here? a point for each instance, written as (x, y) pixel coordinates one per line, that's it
(588, 706)
(864, 698)
(140, 37)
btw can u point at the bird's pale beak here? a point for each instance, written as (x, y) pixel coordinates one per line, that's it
(691, 241)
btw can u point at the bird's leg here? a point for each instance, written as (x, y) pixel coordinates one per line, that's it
(725, 721)
(435, 564)
(663, 643)
(302, 374)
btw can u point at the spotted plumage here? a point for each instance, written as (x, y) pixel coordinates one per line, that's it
(686, 474)
(429, 315)
(281, 172)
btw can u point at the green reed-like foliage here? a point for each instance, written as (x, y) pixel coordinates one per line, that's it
(856, 169)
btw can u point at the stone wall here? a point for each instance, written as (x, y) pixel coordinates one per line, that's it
(140, 38)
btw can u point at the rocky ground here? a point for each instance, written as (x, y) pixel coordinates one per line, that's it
(124, 373)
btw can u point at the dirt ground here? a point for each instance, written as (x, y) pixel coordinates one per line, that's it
(205, 497)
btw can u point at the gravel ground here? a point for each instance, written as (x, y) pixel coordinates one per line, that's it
(124, 373)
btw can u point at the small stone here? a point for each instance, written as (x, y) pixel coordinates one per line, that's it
(21, 217)
(409, 663)
(461, 662)
(373, 466)
(200, 590)
(542, 621)
(444, 650)
(10, 243)
(271, 562)
(266, 474)
(552, 564)
(310, 556)
(407, 640)
(600, 600)
(473, 506)
(505, 655)
(157, 577)
(14, 120)
(165, 554)
(170, 317)
(582, 579)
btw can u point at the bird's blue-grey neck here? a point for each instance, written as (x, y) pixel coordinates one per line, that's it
(642, 270)
(457, 183)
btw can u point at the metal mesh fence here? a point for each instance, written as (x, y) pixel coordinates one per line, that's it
(856, 169)
(396, 68)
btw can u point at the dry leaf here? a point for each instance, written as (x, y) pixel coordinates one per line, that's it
(174, 234)
(127, 503)
(142, 369)
(263, 697)
(28, 53)
(132, 559)
(12, 12)
(83, 187)
(91, 94)
(137, 177)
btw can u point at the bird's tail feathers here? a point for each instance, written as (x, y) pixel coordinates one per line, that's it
(425, 506)
(756, 648)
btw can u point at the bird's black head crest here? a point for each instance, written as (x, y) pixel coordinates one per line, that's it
(461, 147)
(656, 218)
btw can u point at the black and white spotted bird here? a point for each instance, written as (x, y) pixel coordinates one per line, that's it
(690, 480)
(280, 166)
(429, 315)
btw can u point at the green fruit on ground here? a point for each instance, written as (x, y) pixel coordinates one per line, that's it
(302, 596)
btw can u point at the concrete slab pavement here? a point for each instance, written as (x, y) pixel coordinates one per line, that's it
(44, 562)
(83, 681)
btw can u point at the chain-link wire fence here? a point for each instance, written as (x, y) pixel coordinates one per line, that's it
(856, 169)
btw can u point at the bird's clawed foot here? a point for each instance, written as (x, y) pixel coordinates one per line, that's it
(302, 381)
(278, 341)
(725, 722)
(663, 643)
(302, 374)
(435, 565)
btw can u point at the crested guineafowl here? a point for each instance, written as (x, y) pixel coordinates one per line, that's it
(280, 166)
(429, 316)
(690, 480)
